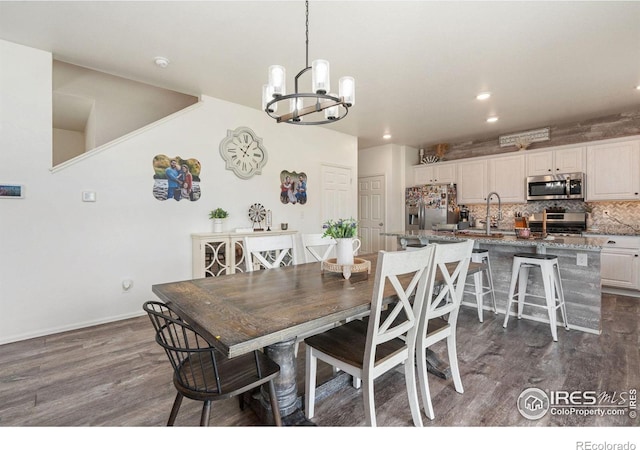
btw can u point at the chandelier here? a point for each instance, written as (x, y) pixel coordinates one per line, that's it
(308, 105)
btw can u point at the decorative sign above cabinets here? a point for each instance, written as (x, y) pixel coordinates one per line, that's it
(525, 137)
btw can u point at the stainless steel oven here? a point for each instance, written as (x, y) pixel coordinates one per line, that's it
(559, 223)
(564, 186)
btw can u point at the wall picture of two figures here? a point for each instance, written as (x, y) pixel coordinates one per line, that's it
(293, 188)
(176, 178)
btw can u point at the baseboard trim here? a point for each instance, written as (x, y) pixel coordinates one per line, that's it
(620, 291)
(70, 327)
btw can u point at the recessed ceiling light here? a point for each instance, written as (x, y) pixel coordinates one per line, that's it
(161, 62)
(386, 136)
(483, 95)
(638, 87)
(492, 119)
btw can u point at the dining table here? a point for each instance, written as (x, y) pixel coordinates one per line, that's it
(268, 310)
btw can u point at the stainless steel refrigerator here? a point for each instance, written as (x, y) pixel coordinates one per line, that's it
(431, 206)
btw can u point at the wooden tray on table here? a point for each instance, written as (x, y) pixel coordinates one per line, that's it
(359, 265)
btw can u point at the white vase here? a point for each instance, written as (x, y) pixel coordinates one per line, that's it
(345, 249)
(217, 225)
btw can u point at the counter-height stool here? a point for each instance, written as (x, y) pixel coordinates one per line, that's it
(554, 296)
(481, 256)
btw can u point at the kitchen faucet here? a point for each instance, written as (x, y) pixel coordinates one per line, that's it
(499, 211)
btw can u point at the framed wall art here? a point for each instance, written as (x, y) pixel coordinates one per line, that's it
(293, 188)
(176, 178)
(11, 190)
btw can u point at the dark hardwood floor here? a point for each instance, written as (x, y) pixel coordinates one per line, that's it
(116, 375)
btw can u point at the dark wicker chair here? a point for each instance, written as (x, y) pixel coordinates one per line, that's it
(200, 372)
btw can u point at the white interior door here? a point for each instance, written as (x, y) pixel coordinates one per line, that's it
(336, 193)
(371, 213)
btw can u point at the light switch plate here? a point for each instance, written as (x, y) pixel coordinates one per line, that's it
(88, 196)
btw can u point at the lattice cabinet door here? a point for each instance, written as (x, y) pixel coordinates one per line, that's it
(236, 260)
(215, 254)
(210, 257)
(215, 259)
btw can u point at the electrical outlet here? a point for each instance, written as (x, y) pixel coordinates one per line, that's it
(581, 259)
(605, 213)
(127, 285)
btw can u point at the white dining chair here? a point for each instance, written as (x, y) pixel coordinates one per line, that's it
(317, 248)
(448, 275)
(268, 251)
(368, 349)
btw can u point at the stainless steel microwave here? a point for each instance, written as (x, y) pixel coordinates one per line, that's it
(563, 186)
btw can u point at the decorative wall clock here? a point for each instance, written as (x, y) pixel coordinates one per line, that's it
(243, 152)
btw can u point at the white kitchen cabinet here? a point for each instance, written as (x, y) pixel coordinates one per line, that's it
(547, 162)
(215, 254)
(613, 171)
(472, 182)
(435, 173)
(506, 176)
(620, 262)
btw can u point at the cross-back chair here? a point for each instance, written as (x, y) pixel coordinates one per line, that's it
(200, 372)
(439, 313)
(368, 349)
(268, 251)
(316, 247)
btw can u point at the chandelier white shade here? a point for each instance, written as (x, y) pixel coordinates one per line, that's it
(347, 91)
(313, 103)
(277, 80)
(320, 76)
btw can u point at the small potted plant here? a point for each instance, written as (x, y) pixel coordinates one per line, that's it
(218, 215)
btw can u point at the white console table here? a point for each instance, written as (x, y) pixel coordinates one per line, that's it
(215, 254)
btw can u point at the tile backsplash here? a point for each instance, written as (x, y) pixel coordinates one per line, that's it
(624, 217)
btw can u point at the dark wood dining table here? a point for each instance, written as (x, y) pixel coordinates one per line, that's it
(269, 309)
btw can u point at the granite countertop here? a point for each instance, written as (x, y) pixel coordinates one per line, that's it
(568, 242)
(617, 232)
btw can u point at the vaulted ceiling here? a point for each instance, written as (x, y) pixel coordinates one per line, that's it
(418, 65)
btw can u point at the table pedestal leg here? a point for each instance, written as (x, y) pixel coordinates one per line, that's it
(283, 354)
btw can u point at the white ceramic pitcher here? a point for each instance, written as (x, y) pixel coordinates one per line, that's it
(345, 249)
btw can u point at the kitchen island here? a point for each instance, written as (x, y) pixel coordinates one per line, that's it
(580, 282)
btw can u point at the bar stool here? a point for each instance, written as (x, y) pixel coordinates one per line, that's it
(554, 296)
(481, 256)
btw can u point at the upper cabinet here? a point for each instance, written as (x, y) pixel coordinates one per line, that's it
(472, 184)
(550, 162)
(613, 171)
(506, 176)
(435, 173)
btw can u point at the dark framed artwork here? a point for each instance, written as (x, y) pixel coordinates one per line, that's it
(176, 178)
(11, 191)
(293, 187)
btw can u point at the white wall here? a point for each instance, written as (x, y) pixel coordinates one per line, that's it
(392, 162)
(67, 145)
(119, 105)
(62, 260)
